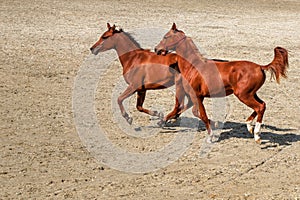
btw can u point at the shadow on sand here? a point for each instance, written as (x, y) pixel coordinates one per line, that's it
(270, 135)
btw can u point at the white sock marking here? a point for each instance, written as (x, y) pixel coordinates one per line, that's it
(257, 128)
(250, 126)
(257, 131)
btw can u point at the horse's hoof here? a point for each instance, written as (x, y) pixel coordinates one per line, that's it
(257, 138)
(250, 127)
(251, 130)
(216, 125)
(173, 121)
(161, 115)
(161, 123)
(129, 120)
(258, 141)
(209, 140)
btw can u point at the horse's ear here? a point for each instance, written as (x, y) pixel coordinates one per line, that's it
(108, 25)
(113, 27)
(174, 27)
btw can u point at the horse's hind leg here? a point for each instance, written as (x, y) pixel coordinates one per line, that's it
(260, 115)
(259, 107)
(127, 93)
(201, 113)
(249, 122)
(141, 95)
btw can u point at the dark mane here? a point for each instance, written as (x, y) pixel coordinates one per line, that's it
(131, 38)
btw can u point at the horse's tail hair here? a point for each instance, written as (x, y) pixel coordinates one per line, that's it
(278, 67)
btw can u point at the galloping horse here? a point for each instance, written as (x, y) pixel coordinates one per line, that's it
(142, 70)
(204, 78)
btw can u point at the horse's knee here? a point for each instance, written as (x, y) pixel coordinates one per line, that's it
(195, 112)
(263, 107)
(120, 100)
(261, 111)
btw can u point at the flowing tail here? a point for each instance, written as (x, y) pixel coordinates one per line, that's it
(279, 65)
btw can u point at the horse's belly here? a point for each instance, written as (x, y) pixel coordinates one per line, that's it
(158, 81)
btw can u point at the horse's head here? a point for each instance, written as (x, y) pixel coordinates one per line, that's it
(170, 40)
(106, 41)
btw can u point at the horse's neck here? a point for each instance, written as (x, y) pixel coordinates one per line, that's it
(189, 51)
(125, 48)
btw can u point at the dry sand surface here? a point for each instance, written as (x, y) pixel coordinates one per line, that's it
(45, 44)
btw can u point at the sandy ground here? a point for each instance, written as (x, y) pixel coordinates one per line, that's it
(44, 45)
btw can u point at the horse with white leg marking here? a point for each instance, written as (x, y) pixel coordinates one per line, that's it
(206, 78)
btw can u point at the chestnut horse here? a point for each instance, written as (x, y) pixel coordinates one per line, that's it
(204, 78)
(142, 70)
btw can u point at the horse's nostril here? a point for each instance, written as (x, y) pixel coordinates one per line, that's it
(91, 48)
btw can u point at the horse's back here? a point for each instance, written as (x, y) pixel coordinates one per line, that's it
(241, 73)
(149, 57)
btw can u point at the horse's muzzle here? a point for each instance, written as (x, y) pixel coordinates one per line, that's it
(160, 51)
(94, 50)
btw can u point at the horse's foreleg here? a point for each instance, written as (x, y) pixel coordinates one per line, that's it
(173, 114)
(179, 108)
(201, 113)
(141, 95)
(179, 100)
(127, 93)
(185, 90)
(186, 106)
